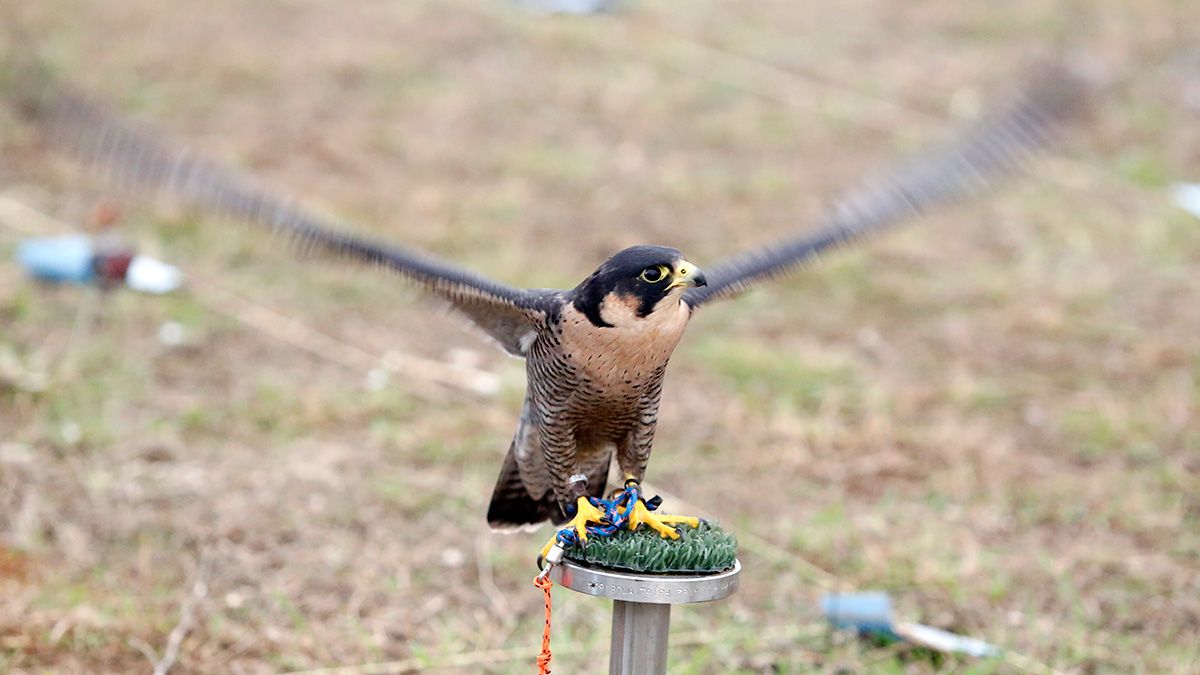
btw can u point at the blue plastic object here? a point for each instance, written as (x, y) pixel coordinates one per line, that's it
(64, 259)
(868, 612)
(573, 7)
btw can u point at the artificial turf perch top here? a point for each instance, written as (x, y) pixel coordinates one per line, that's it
(706, 549)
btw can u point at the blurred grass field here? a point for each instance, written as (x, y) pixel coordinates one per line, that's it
(993, 415)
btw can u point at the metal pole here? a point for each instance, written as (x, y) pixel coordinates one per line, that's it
(642, 608)
(639, 638)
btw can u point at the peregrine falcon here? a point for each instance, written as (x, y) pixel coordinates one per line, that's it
(595, 353)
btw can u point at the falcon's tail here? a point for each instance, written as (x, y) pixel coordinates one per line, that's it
(513, 507)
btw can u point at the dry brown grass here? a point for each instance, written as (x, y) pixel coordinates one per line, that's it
(993, 415)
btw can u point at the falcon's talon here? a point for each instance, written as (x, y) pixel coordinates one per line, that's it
(640, 512)
(662, 524)
(586, 513)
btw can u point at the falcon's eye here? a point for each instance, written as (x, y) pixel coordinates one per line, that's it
(655, 274)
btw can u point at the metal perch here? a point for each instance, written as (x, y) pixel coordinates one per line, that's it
(642, 608)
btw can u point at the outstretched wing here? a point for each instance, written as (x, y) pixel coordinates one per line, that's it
(134, 157)
(996, 147)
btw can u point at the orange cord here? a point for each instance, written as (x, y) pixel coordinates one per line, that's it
(543, 659)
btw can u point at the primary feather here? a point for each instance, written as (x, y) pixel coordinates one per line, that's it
(135, 157)
(997, 147)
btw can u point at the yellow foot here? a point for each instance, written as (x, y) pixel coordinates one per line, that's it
(585, 514)
(640, 515)
(663, 524)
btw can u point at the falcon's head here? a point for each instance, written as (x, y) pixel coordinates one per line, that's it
(635, 284)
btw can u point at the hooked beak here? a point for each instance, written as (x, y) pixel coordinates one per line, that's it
(687, 275)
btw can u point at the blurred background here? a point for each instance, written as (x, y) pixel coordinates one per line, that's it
(992, 415)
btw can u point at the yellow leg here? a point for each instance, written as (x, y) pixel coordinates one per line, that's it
(585, 514)
(661, 523)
